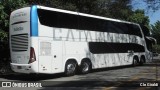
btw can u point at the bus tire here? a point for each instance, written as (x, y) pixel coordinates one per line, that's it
(85, 67)
(135, 61)
(70, 68)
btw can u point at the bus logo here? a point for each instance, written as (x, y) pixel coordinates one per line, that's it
(18, 28)
(19, 14)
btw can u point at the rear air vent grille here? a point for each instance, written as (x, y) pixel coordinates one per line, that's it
(19, 42)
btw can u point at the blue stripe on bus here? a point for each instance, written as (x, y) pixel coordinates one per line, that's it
(34, 21)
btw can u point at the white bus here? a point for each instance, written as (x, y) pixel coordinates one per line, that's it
(49, 40)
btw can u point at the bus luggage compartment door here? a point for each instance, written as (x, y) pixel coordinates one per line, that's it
(45, 64)
(57, 63)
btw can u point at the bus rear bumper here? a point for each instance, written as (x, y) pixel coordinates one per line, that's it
(23, 68)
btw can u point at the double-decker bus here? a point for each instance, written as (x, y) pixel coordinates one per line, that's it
(49, 40)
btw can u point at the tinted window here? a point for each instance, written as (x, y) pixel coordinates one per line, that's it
(88, 23)
(48, 18)
(107, 47)
(64, 20)
(116, 27)
(67, 21)
(57, 19)
(134, 30)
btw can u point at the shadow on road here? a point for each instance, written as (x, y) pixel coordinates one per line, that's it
(31, 77)
(39, 77)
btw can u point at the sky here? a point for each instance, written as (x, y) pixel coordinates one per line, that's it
(153, 16)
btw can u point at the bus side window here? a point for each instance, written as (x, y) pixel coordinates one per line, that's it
(66, 20)
(48, 18)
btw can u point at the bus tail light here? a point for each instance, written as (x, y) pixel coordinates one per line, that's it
(32, 55)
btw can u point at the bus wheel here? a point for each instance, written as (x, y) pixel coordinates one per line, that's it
(70, 68)
(85, 67)
(135, 62)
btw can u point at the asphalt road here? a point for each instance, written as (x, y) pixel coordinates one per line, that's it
(118, 78)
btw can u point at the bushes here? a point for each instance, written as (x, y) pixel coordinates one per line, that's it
(4, 58)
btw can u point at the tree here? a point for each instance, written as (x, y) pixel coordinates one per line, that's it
(120, 9)
(156, 31)
(138, 16)
(6, 7)
(3, 23)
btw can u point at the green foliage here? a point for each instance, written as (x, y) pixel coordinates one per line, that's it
(3, 23)
(3, 36)
(64, 4)
(3, 16)
(119, 9)
(156, 31)
(139, 17)
(6, 7)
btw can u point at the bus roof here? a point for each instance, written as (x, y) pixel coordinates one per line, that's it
(83, 14)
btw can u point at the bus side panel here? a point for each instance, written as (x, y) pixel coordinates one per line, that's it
(50, 51)
(45, 57)
(57, 57)
(73, 50)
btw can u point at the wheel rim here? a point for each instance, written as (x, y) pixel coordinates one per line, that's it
(85, 67)
(70, 68)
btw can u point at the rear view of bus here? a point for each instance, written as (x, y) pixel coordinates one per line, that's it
(23, 39)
